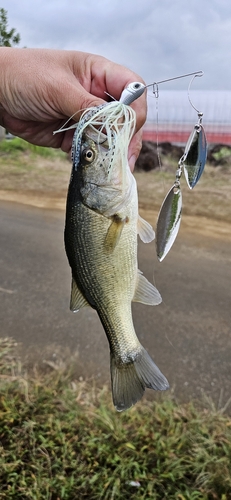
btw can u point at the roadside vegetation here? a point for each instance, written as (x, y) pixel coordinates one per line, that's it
(28, 168)
(62, 439)
(12, 147)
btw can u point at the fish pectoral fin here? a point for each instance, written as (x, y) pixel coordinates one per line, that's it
(77, 298)
(145, 292)
(114, 233)
(145, 230)
(130, 379)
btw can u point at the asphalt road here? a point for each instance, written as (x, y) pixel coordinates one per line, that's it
(188, 335)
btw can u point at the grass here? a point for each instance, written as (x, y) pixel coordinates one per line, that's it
(16, 145)
(61, 439)
(25, 167)
(46, 172)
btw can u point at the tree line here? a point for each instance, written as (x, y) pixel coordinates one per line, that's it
(8, 37)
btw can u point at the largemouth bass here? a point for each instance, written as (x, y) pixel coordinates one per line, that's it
(102, 223)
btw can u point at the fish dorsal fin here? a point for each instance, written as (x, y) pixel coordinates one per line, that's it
(145, 292)
(114, 233)
(77, 298)
(145, 230)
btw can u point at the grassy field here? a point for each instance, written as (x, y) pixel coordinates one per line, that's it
(34, 172)
(61, 439)
(24, 167)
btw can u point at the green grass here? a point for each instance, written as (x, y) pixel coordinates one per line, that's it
(25, 167)
(222, 154)
(62, 439)
(11, 147)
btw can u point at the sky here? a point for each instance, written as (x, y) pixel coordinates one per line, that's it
(158, 39)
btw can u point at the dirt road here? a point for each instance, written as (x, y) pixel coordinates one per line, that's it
(188, 335)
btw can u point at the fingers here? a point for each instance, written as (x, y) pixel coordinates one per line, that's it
(72, 99)
(114, 78)
(134, 149)
(140, 107)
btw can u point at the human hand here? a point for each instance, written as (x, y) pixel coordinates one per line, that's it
(41, 88)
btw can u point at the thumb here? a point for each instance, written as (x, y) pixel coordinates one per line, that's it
(74, 99)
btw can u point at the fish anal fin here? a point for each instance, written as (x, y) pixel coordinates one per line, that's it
(145, 292)
(77, 299)
(145, 230)
(130, 379)
(114, 232)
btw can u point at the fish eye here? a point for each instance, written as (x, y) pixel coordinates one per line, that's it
(88, 155)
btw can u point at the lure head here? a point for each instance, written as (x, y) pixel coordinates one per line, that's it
(132, 92)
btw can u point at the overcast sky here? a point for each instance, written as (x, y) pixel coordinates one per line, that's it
(156, 38)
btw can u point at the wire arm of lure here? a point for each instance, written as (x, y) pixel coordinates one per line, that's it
(200, 114)
(194, 74)
(136, 89)
(155, 88)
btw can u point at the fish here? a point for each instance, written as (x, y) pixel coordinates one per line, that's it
(101, 227)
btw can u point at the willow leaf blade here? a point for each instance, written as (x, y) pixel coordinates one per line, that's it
(168, 222)
(195, 155)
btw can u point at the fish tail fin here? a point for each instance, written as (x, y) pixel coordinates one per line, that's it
(130, 379)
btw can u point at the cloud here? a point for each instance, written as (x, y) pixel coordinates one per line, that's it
(156, 39)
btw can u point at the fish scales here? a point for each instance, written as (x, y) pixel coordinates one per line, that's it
(101, 276)
(101, 228)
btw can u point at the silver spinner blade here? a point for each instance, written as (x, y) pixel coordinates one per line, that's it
(195, 155)
(168, 222)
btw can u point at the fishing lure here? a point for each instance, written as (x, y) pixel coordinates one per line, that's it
(192, 163)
